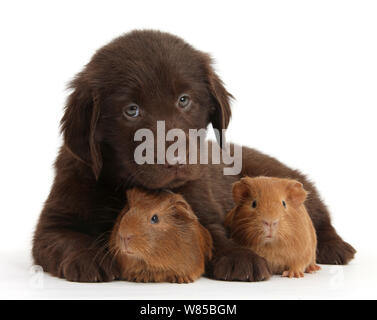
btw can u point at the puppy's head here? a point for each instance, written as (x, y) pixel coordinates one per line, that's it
(130, 84)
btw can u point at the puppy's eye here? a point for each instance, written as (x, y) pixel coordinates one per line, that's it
(254, 204)
(184, 101)
(284, 204)
(154, 219)
(131, 111)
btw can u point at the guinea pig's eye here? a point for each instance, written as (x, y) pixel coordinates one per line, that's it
(284, 204)
(184, 101)
(254, 204)
(154, 219)
(131, 111)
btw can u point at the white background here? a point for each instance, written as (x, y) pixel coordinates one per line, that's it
(304, 74)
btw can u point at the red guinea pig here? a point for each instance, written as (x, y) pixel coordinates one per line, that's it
(158, 238)
(270, 218)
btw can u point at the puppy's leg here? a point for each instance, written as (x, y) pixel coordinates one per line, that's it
(331, 249)
(74, 256)
(233, 263)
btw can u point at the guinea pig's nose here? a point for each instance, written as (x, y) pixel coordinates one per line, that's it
(270, 223)
(126, 237)
(266, 223)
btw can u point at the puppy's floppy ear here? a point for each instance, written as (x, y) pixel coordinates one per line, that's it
(79, 122)
(221, 114)
(296, 193)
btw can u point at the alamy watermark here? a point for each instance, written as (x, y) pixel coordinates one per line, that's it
(184, 149)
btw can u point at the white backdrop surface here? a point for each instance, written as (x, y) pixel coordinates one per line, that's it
(304, 77)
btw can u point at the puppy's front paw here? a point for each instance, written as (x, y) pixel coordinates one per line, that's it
(85, 268)
(239, 264)
(334, 251)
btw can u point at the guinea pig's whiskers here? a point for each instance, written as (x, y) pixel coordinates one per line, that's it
(242, 230)
(115, 253)
(108, 252)
(100, 248)
(97, 240)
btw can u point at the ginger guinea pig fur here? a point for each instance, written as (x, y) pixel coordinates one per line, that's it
(271, 219)
(158, 238)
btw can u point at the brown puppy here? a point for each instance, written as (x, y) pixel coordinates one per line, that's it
(271, 219)
(130, 84)
(157, 238)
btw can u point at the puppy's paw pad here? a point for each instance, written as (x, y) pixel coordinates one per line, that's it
(240, 264)
(335, 251)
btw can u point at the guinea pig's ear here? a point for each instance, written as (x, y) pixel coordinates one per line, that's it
(221, 114)
(79, 122)
(184, 209)
(134, 195)
(241, 191)
(296, 193)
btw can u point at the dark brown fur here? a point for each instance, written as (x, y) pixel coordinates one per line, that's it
(174, 249)
(95, 164)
